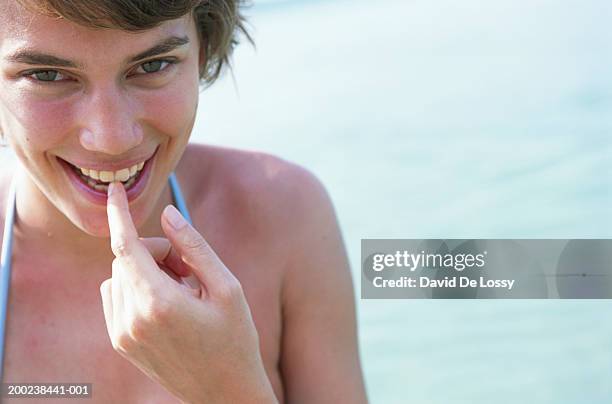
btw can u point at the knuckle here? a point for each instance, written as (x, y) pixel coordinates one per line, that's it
(114, 344)
(122, 342)
(116, 265)
(157, 311)
(230, 291)
(137, 330)
(106, 286)
(194, 241)
(120, 247)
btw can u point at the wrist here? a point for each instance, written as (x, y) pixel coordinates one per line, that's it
(255, 389)
(252, 389)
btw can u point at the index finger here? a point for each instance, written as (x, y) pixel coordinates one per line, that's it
(143, 271)
(123, 233)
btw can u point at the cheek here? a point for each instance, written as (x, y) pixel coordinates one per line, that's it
(171, 112)
(34, 123)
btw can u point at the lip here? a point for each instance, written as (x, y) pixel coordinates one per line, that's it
(114, 166)
(99, 198)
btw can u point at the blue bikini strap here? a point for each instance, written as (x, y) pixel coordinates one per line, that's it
(5, 268)
(179, 201)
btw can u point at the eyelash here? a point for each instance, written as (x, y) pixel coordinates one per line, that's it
(30, 74)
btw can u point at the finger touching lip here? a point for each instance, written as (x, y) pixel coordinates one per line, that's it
(122, 230)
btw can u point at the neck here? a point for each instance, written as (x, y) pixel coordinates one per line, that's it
(39, 224)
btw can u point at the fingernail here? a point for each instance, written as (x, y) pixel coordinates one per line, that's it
(111, 189)
(173, 216)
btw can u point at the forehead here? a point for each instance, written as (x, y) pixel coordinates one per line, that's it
(21, 28)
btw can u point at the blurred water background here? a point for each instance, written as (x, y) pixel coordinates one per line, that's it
(441, 119)
(445, 119)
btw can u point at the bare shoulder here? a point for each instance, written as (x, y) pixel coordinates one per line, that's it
(282, 210)
(250, 168)
(268, 188)
(286, 211)
(274, 209)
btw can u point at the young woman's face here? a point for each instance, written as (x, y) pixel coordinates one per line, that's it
(105, 101)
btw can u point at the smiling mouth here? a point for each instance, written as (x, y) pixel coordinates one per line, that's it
(99, 180)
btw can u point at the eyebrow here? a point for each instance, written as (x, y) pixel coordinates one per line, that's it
(42, 59)
(165, 46)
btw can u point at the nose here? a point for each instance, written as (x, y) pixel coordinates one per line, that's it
(109, 122)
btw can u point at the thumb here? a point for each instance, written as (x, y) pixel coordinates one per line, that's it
(195, 251)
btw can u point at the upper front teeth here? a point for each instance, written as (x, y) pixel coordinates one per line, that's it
(110, 176)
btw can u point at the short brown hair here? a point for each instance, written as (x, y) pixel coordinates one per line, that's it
(219, 22)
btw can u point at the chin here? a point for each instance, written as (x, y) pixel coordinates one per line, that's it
(94, 223)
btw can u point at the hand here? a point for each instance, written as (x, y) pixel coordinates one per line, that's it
(199, 343)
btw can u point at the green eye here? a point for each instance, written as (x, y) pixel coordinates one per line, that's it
(46, 75)
(153, 66)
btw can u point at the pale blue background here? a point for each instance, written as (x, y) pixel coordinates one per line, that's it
(431, 118)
